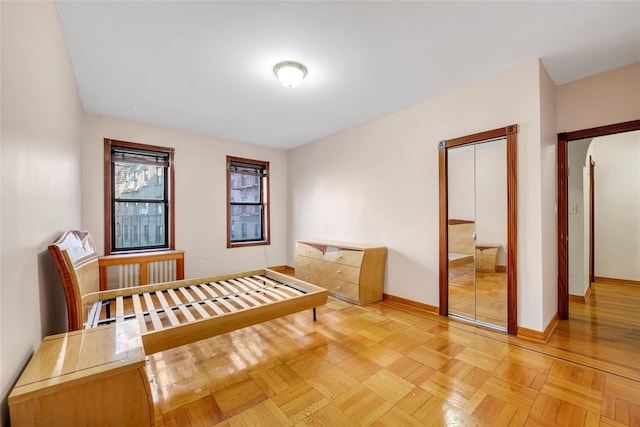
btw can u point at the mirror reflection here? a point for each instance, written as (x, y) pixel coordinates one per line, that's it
(477, 230)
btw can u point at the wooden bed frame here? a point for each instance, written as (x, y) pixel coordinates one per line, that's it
(175, 313)
(95, 374)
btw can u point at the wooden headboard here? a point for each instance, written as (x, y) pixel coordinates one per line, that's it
(74, 255)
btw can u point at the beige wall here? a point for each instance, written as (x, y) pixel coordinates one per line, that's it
(200, 193)
(378, 183)
(578, 191)
(40, 179)
(548, 197)
(617, 205)
(603, 99)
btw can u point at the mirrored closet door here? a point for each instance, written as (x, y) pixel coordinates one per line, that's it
(478, 229)
(477, 223)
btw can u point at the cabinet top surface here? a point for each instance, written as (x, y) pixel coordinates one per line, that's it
(338, 244)
(69, 356)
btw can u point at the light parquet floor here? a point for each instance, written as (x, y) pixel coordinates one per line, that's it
(386, 364)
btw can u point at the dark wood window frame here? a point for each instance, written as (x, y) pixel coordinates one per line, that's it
(511, 135)
(563, 209)
(263, 202)
(108, 195)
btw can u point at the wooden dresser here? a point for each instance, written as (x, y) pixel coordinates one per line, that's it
(486, 258)
(87, 377)
(349, 271)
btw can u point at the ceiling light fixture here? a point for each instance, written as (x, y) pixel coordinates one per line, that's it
(290, 73)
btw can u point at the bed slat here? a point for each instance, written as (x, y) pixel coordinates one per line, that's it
(283, 290)
(119, 310)
(137, 308)
(210, 291)
(239, 301)
(248, 297)
(186, 313)
(94, 315)
(220, 290)
(195, 304)
(277, 295)
(252, 282)
(263, 296)
(226, 304)
(239, 284)
(229, 286)
(206, 300)
(167, 310)
(217, 299)
(155, 319)
(266, 280)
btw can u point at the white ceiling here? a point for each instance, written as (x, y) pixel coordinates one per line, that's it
(206, 66)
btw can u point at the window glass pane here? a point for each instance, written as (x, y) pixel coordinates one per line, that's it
(139, 224)
(245, 188)
(136, 181)
(246, 222)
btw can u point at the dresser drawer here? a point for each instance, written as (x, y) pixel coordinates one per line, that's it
(308, 264)
(330, 270)
(341, 289)
(330, 253)
(342, 272)
(310, 251)
(309, 276)
(344, 256)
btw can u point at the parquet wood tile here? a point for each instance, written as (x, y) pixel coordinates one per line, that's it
(327, 416)
(332, 382)
(389, 385)
(300, 401)
(386, 364)
(363, 405)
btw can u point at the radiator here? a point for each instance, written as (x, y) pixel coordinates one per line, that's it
(128, 275)
(161, 271)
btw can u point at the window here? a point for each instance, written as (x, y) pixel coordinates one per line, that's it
(247, 202)
(139, 212)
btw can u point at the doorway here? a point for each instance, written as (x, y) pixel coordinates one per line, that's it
(563, 203)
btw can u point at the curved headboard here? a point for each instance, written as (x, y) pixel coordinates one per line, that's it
(74, 255)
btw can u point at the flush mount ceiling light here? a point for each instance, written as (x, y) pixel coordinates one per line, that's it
(290, 73)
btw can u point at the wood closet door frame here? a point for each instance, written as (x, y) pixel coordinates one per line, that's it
(511, 135)
(563, 201)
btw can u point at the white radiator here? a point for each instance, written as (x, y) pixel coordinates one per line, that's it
(128, 275)
(161, 271)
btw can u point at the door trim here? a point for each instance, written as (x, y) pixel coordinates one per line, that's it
(563, 200)
(592, 221)
(510, 133)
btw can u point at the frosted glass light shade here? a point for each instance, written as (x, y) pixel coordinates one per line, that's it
(290, 73)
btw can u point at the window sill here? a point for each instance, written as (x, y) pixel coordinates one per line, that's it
(251, 243)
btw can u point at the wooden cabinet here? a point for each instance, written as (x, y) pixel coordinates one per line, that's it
(349, 271)
(88, 377)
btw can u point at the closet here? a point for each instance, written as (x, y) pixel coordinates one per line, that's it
(477, 229)
(478, 232)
